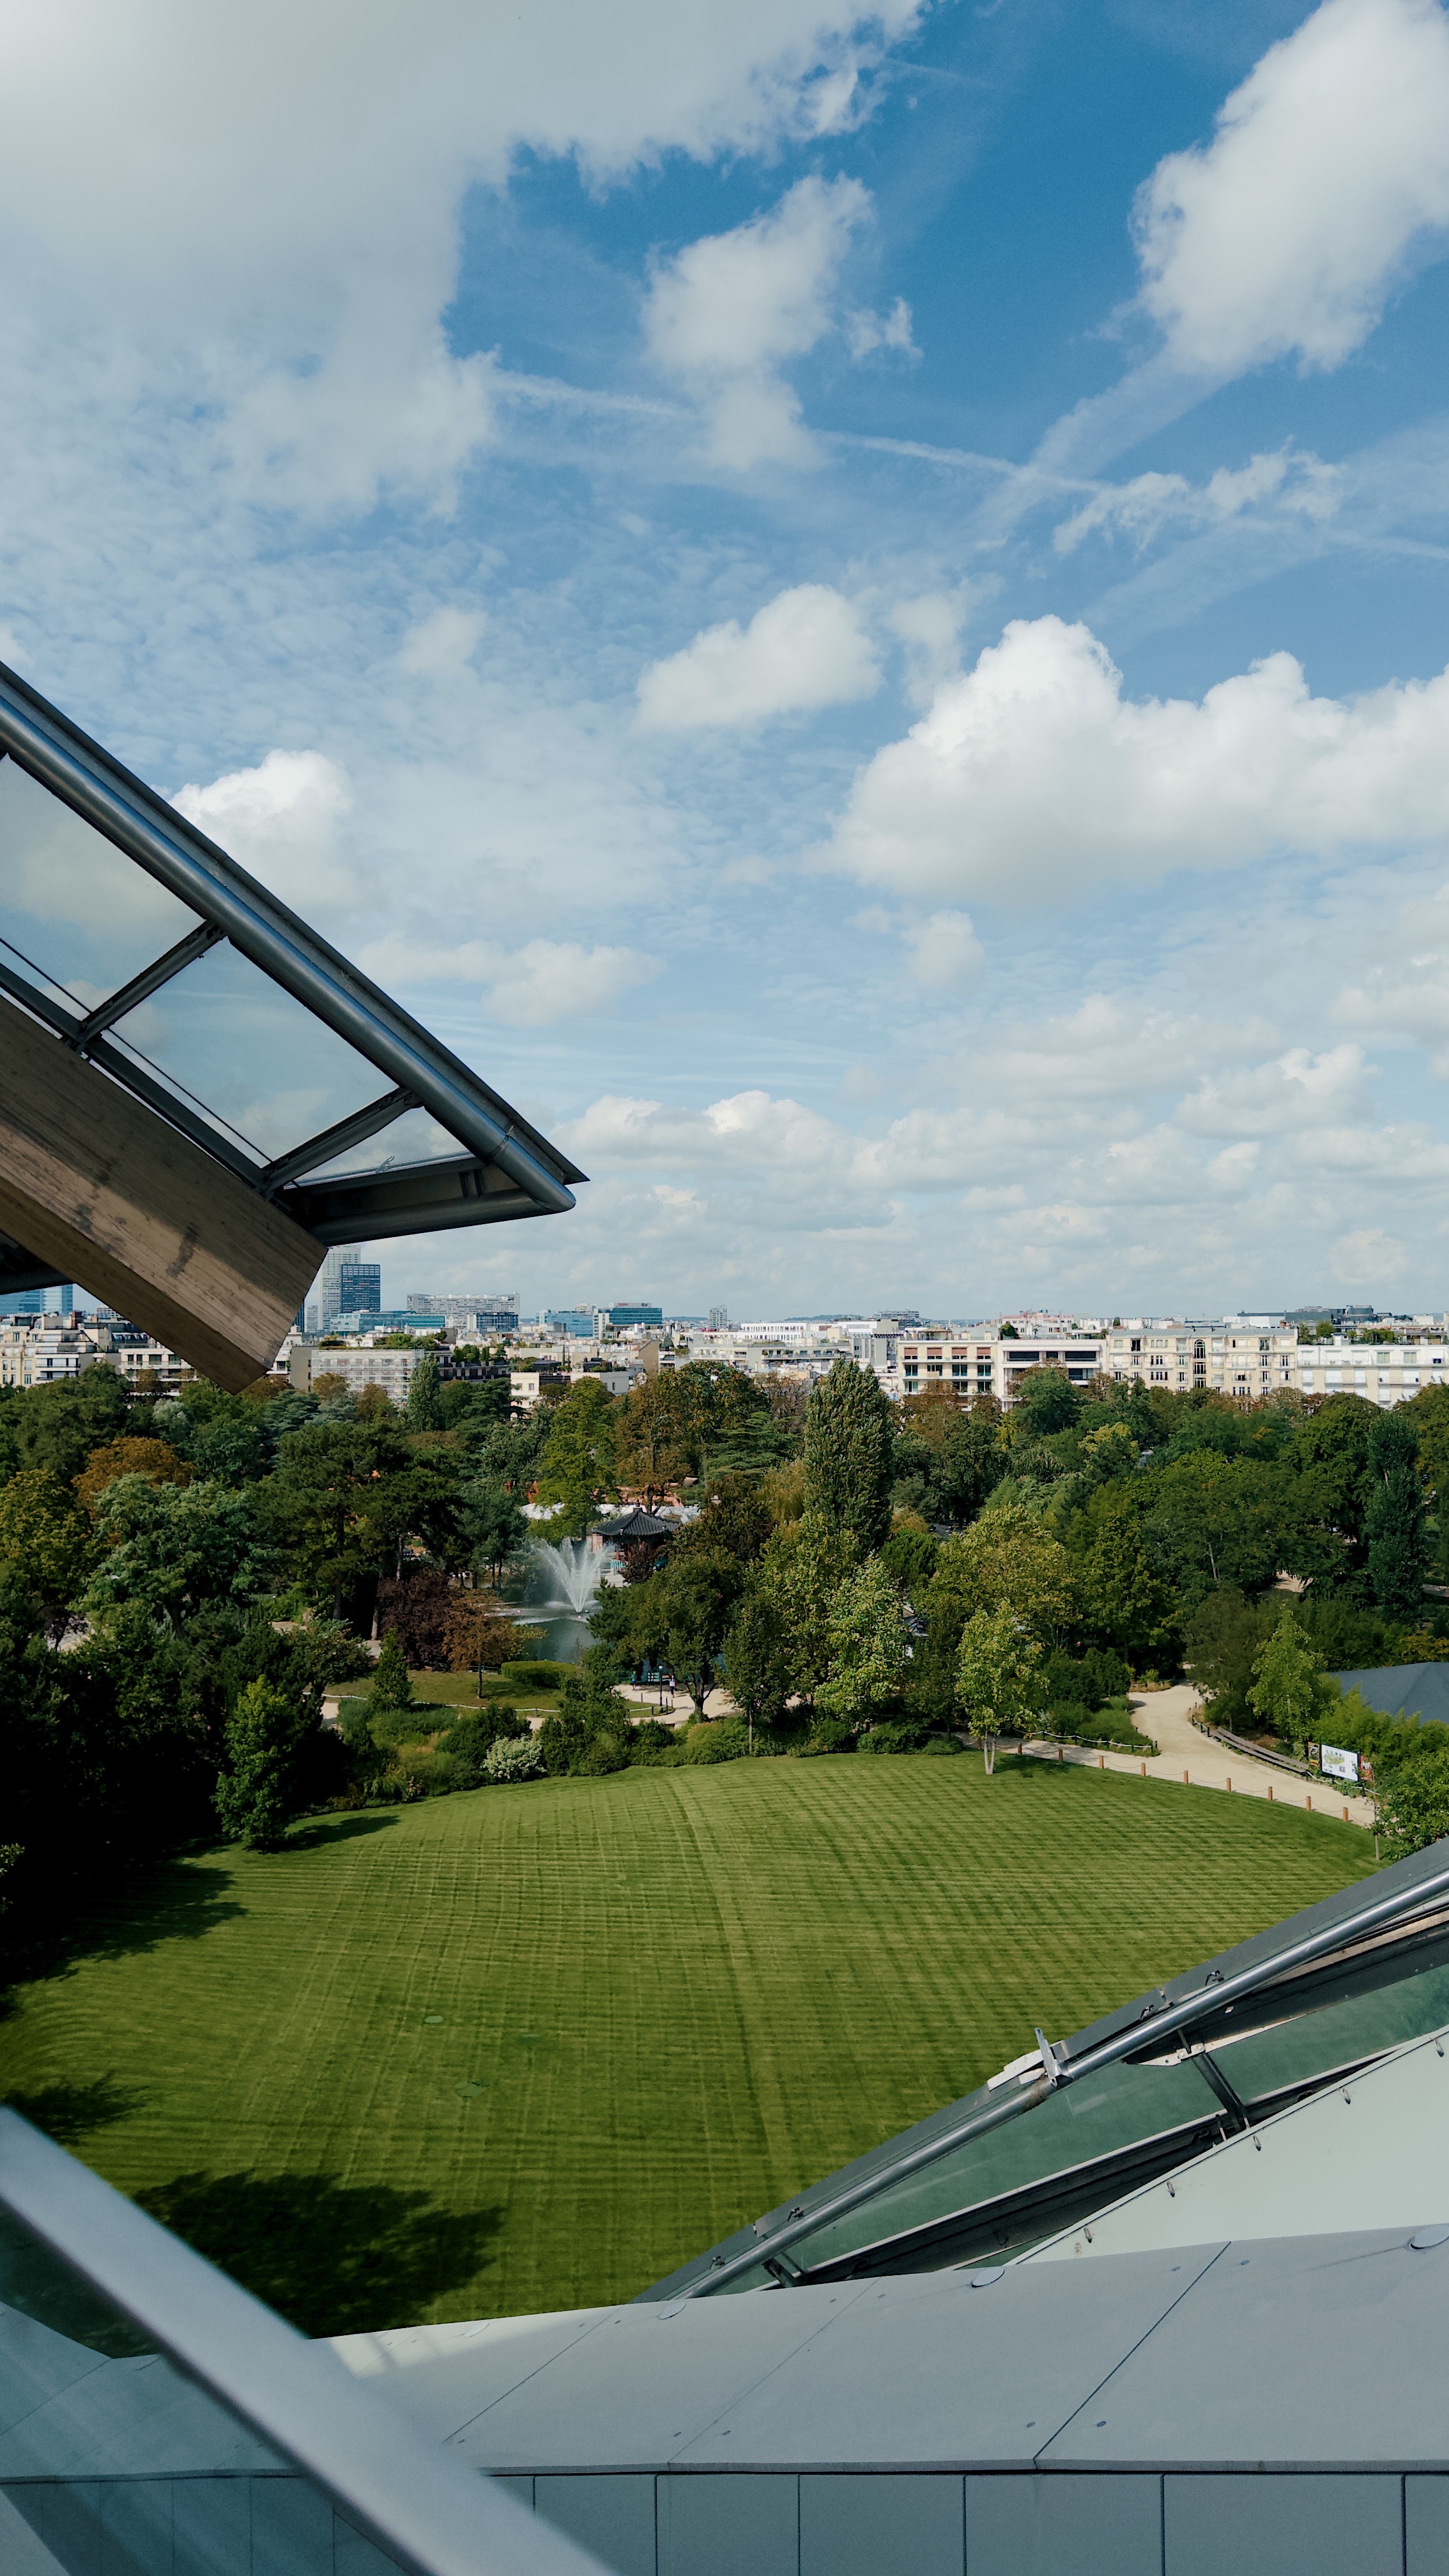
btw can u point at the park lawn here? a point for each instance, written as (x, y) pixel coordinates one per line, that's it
(441, 1697)
(531, 2047)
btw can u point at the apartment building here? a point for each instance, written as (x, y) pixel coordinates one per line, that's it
(989, 1362)
(1240, 1359)
(54, 1350)
(1381, 1372)
(393, 1371)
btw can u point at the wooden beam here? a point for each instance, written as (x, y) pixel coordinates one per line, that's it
(94, 1182)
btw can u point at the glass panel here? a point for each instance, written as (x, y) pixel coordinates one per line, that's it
(416, 1137)
(1268, 2061)
(110, 2459)
(1121, 2107)
(71, 904)
(248, 1055)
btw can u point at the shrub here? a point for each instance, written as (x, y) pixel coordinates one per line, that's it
(471, 1739)
(537, 1675)
(1413, 1805)
(513, 1757)
(830, 1735)
(719, 1739)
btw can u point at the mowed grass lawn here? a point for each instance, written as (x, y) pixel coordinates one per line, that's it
(531, 2047)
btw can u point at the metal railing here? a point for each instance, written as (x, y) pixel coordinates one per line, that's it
(428, 2513)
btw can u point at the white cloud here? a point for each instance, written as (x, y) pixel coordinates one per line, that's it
(1288, 231)
(944, 951)
(1297, 1090)
(1302, 485)
(805, 648)
(929, 628)
(867, 332)
(280, 820)
(1408, 997)
(1033, 775)
(265, 202)
(725, 314)
(442, 645)
(534, 986)
(1368, 1258)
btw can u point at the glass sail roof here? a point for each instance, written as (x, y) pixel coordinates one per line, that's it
(1074, 2124)
(136, 941)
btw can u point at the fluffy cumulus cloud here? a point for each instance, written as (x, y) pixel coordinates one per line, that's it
(282, 820)
(1329, 165)
(266, 201)
(1034, 774)
(725, 315)
(805, 648)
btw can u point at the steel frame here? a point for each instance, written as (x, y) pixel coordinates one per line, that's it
(505, 1168)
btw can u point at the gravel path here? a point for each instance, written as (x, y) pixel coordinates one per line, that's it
(1205, 1764)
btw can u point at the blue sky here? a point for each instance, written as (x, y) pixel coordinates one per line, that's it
(854, 608)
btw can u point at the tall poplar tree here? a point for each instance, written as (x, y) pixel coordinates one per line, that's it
(848, 1442)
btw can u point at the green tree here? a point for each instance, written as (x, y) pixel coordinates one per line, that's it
(848, 1461)
(392, 1687)
(869, 1648)
(172, 1548)
(735, 1516)
(1218, 1520)
(654, 1449)
(343, 1500)
(1394, 1522)
(46, 1536)
(1125, 1600)
(492, 1523)
(1336, 1484)
(947, 1458)
(264, 1785)
(1413, 1804)
(1007, 1555)
(1046, 1401)
(910, 1555)
(579, 1469)
(1221, 1642)
(798, 1575)
(757, 1664)
(425, 1400)
(1290, 1691)
(681, 1616)
(998, 1676)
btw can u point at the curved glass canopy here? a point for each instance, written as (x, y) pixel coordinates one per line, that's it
(206, 1039)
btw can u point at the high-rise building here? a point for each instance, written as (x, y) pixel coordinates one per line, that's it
(495, 1313)
(719, 1319)
(621, 1317)
(43, 1301)
(577, 1321)
(347, 1286)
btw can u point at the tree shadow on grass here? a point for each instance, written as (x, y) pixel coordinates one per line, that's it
(333, 2258)
(69, 2112)
(319, 1831)
(170, 1900)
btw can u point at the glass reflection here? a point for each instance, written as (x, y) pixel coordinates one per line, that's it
(254, 1060)
(111, 2461)
(72, 905)
(416, 1137)
(1122, 2107)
